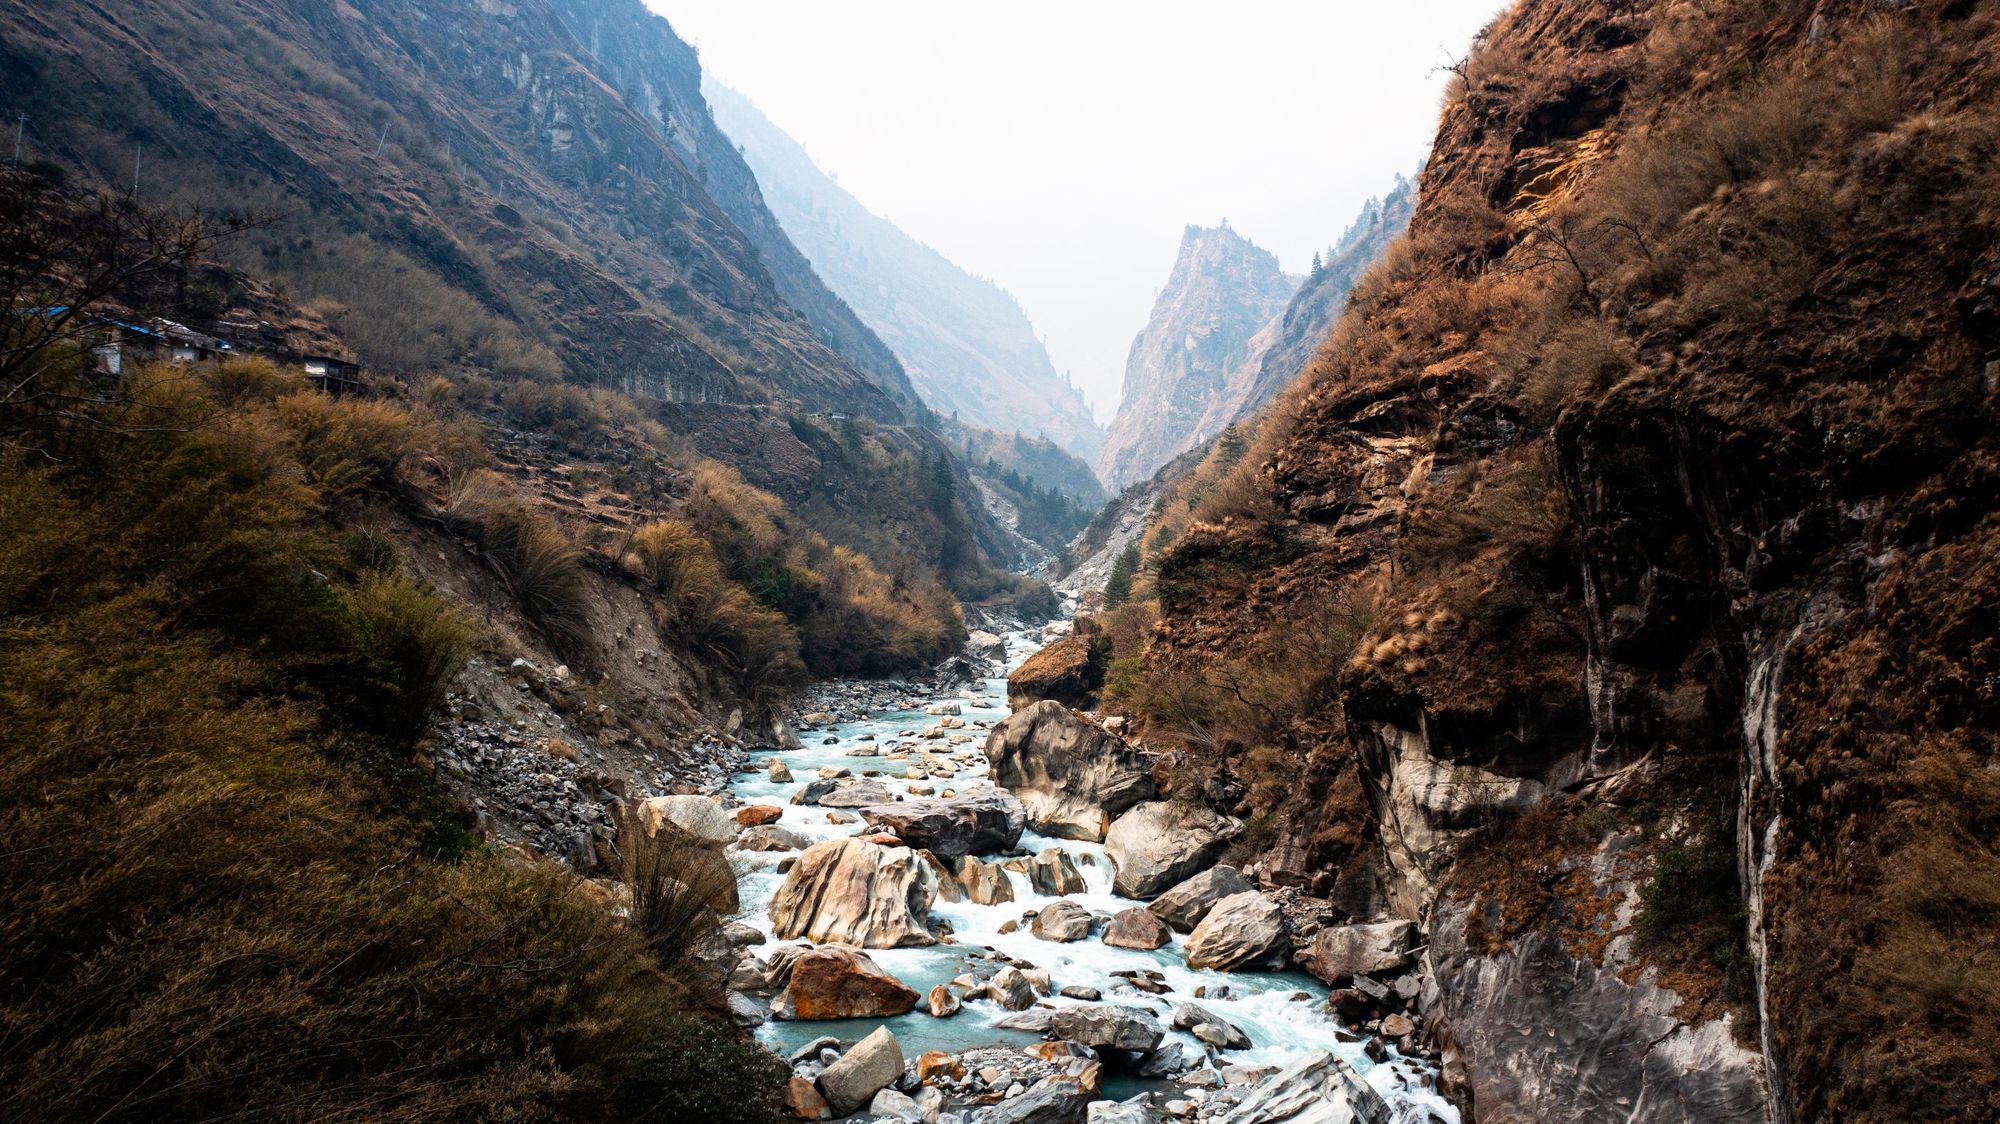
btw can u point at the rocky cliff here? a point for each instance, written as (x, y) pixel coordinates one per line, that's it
(967, 345)
(1613, 595)
(1215, 316)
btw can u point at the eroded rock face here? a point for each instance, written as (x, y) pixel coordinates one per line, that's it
(1136, 928)
(1071, 776)
(1318, 1088)
(1342, 952)
(770, 837)
(837, 982)
(972, 824)
(855, 892)
(1010, 988)
(1052, 1100)
(872, 1065)
(858, 794)
(1244, 933)
(1183, 907)
(1540, 1033)
(1160, 844)
(1069, 671)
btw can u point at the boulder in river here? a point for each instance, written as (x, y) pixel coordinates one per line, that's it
(974, 824)
(1223, 1033)
(813, 791)
(778, 771)
(1341, 952)
(837, 982)
(941, 1003)
(855, 892)
(1317, 1087)
(872, 1065)
(803, 1102)
(757, 815)
(1010, 988)
(1053, 873)
(1062, 921)
(985, 883)
(858, 794)
(1108, 1026)
(1071, 776)
(1183, 907)
(1160, 844)
(1244, 932)
(1136, 928)
(701, 819)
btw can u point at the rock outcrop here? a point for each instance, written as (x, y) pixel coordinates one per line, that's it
(837, 982)
(1071, 775)
(1069, 671)
(1160, 844)
(855, 892)
(1341, 952)
(975, 823)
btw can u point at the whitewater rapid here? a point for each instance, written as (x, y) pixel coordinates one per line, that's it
(1283, 1013)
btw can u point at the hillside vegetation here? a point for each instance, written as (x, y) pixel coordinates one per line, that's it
(1646, 489)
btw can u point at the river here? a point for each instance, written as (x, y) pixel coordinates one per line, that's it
(1283, 1013)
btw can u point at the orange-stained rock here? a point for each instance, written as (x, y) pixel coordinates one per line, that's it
(838, 982)
(933, 1064)
(803, 1102)
(757, 815)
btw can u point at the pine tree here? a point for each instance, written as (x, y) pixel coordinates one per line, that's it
(1118, 586)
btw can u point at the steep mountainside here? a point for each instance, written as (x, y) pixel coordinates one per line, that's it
(466, 188)
(639, 54)
(1216, 316)
(966, 344)
(1313, 310)
(1614, 596)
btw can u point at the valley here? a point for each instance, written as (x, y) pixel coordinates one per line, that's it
(524, 595)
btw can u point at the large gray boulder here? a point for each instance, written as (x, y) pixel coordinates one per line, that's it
(1183, 907)
(1244, 933)
(985, 883)
(1160, 844)
(855, 892)
(974, 824)
(1054, 873)
(1072, 776)
(1107, 1026)
(1317, 1088)
(1341, 952)
(872, 1065)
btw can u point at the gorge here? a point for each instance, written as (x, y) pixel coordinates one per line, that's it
(523, 597)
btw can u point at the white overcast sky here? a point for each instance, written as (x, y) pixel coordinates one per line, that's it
(1058, 147)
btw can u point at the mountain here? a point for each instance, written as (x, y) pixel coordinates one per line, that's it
(1611, 600)
(1303, 326)
(522, 193)
(1216, 315)
(966, 344)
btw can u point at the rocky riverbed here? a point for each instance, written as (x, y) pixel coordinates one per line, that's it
(930, 946)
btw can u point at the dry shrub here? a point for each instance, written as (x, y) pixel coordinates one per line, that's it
(543, 569)
(244, 380)
(672, 887)
(714, 613)
(419, 638)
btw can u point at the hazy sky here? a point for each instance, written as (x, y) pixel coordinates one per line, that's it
(1060, 146)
